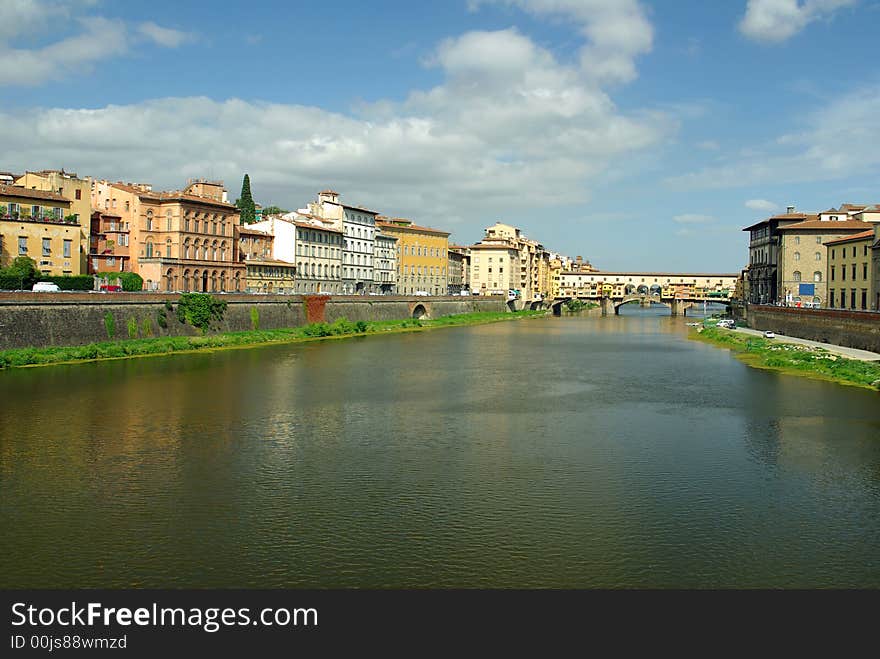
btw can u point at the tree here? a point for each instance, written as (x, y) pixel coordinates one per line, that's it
(273, 210)
(245, 202)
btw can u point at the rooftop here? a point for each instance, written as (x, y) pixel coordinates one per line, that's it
(858, 236)
(828, 225)
(29, 193)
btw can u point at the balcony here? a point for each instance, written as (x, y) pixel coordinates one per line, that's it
(37, 219)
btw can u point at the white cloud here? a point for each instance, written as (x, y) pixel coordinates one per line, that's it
(509, 128)
(774, 21)
(762, 205)
(693, 218)
(163, 36)
(93, 39)
(839, 140)
(617, 31)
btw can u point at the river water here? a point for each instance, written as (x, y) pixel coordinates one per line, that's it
(557, 452)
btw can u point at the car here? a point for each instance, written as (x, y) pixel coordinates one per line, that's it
(769, 335)
(111, 288)
(45, 287)
(421, 293)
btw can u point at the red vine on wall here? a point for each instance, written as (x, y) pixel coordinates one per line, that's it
(315, 307)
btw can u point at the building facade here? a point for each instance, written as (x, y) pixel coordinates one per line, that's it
(38, 224)
(385, 263)
(802, 259)
(422, 259)
(459, 269)
(494, 268)
(109, 241)
(179, 240)
(74, 189)
(850, 272)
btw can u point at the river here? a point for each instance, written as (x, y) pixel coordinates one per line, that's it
(556, 452)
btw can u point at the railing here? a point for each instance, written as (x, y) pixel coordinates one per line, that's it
(22, 217)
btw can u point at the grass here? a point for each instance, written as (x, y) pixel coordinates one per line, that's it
(794, 359)
(25, 357)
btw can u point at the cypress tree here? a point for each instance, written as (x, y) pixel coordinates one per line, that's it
(245, 202)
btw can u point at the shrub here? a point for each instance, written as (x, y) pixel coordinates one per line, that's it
(132, 328)
(130, 281)
(200, 309)
(110, 325)
(361, 326)
(77, 283)
(255, 318)
(147, 327)
(162, 318)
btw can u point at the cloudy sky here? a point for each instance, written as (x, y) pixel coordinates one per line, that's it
(639, 134)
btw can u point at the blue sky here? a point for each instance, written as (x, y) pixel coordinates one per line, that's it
(641, 135)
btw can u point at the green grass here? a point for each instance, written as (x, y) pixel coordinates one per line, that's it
(794, 359)
(23, 357)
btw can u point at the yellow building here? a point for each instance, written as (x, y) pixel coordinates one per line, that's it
(74, 189)
(421, 256)
(270, 276)
(33, 224)
(850, 276)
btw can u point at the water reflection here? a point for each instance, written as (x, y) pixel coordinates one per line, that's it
(555, 452)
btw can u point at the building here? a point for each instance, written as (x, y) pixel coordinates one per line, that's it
(265, 274)
(38, 224)
(183, 240)
(458, 270)
(310, 243)
(850, 274)
(529, 277)
(594, 283)
(802, 258)
(358, 226)
(74, 189)
(494, 268)
(422, 259)
(109, 241)
(385, 263)
(763, 269)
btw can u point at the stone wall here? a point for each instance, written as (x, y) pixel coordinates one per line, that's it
(846, 328)
(42, 319)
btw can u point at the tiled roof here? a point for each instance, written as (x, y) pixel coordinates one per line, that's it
(830, 226)
(256, 232)
(411, 227)
(858, 236)
(28, 193)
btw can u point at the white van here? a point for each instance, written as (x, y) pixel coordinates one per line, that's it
(45, 287)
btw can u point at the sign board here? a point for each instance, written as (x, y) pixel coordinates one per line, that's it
(807, 289)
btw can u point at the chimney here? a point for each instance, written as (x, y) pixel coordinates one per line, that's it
(789, 210)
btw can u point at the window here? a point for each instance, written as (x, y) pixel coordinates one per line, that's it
(854, 271)
(818, 240)
(22, 246)
(149, 220)
(817, 276)
(832, 275)
(47, 247)
(797, 240)
(864, 270)
(66, 249)
(831, 298)
(168, 248)
(149, 250)
(78, 194)
(168, 221)
(818, 256)
(797, 256)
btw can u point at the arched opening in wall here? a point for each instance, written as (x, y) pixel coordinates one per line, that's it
(629, 289)
(205, 281)
(557, 309)
(169, 280)
(642, 290)
(511, 304)
(186, 281)
(535, 306)
(655, 289)
(419, 312)
(223, 282)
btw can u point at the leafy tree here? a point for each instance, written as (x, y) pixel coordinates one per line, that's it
(245, 202)
(22, 272)
(273, 210)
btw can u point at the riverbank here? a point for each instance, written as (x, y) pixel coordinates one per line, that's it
(792, 358)
(29, 357)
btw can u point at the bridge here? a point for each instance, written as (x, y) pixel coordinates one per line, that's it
(612, 290)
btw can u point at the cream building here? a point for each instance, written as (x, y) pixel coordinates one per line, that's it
(529, 276)
(77, 191)
(494, 268)
(33, 224)
(802, 258)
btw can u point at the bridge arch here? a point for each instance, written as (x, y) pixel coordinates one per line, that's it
(420, 312)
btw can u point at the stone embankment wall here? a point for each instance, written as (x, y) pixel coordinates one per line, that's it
(45, 319)
(853, 329)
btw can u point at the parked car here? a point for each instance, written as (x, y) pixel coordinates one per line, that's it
(769, 335)
(421, 293)
(45, 287)
(111, 288)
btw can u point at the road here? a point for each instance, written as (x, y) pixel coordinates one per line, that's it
(851, 353)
